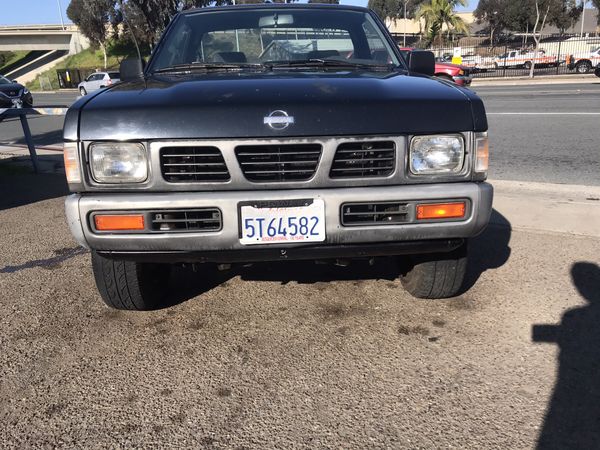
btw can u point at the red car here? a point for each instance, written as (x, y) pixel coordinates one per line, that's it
(461, 75)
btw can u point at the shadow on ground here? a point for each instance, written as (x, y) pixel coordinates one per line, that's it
(490, 250)
(53, 137)
(20, 186)
(573, 416)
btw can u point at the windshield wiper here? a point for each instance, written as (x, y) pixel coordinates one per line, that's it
(333, 63)
(200, 66)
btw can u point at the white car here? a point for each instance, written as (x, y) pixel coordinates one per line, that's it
(98, 80)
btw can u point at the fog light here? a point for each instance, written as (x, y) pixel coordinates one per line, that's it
(453, 210)
(119, 222)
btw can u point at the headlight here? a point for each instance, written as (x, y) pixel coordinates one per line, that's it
(118, 162)
(25, 91)
(436, 154)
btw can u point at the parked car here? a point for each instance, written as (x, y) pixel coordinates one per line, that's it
(213, 155)
(98, 80)
(584, 62)
(524, 59)
(460, 75)
(14, 95)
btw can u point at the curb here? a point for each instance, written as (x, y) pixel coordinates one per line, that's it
(546, 207)
(526, 81)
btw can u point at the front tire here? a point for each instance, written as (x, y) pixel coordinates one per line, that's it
(438, 275)
(131, 285)
(527, 65)
(583, 67)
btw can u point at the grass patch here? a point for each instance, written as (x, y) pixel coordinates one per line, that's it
(8, 58)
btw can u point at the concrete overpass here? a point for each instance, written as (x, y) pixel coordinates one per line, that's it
(42, 37)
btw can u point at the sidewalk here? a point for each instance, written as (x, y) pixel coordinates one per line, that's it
(542, 79)
(560, 208)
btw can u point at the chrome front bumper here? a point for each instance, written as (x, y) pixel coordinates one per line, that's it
(79, 207)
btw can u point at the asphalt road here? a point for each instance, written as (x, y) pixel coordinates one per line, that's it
(544, 133)
(297, 355)
(537, 133)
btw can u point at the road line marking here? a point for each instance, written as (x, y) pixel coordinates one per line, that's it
(543, 113)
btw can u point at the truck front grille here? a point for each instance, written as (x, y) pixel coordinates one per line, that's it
(193, 164)
(190, 220)
(383, 213)
(364, 159)
(265, 163)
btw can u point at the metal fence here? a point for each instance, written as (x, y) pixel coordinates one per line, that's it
(513, 56)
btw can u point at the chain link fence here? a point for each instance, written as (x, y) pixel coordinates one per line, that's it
(513, 55)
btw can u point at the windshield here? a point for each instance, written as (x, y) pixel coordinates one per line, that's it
(258, 36)
(4, 80)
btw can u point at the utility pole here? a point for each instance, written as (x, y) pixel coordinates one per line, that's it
(404, 16)
(62, 22)
(582, 18)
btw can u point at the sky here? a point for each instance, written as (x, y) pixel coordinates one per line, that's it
(29, 12)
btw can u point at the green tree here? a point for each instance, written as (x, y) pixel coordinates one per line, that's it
(93, 18)
(492, 13)
(564, 14)
(439, 13)
(596, 3)
(392, 10)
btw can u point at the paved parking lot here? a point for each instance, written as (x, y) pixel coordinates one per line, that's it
(313, 356)
(297, 355)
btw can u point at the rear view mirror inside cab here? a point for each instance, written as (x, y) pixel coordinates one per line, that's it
(275, 20)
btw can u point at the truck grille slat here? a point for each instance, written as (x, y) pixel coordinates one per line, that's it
(196, 173)
(316, 152)
(364, 159)
(262, 163)
(181, 164)
(268, 163)
(382, 213)
(205, 219)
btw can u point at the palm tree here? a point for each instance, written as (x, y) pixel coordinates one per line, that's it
(440, 13)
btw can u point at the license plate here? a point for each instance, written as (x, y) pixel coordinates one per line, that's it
(283, 222)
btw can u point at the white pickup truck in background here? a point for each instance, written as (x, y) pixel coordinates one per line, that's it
(584, 62)
(524, 59)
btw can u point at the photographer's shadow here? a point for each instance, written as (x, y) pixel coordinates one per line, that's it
(573, 416)
(489, 250)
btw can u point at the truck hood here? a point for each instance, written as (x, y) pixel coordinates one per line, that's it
(235, 105)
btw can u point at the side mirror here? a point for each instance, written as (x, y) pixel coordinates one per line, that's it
(132, 69)
(422, 61)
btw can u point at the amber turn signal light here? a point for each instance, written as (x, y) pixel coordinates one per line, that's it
(441, 210)
(121, 222)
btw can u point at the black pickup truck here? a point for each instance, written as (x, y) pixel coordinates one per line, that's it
(276, 132)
